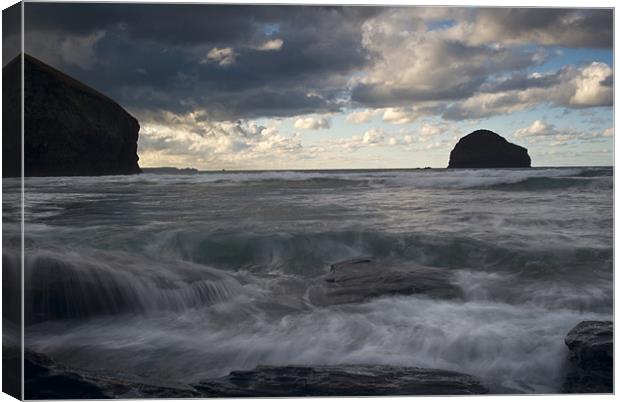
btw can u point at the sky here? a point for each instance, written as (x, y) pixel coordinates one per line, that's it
(316, 87)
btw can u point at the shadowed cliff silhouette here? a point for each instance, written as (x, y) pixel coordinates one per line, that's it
(70, 129)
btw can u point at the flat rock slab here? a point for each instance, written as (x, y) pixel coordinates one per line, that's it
(353, 380)
(591, 345)
(47, 379)
(358, 280)
(44, 378)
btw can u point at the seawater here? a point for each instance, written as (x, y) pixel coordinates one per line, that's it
(177, 278)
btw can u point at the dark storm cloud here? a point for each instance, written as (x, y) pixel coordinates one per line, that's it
(522, 81)
(566, 27)
(379, 96)
(608, 81)
(154, 56)
(188, 24)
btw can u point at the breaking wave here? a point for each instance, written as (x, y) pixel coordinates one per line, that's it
(187, 277)
(417, 178)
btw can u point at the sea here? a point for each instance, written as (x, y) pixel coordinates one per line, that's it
(174, 278)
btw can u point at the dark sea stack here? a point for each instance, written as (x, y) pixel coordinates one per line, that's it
(486, 149)
(591, 346)
(70, 129)
(358, 280)
(345, 380)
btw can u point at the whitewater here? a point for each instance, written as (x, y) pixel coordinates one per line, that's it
(177, 278)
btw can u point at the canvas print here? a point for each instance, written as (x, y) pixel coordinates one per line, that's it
(230, 200)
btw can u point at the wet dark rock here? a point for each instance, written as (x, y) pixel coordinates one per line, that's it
(44, 378)
(358, 280)
(70, 129)
(591, 357)
(486, 149)
(345, 380)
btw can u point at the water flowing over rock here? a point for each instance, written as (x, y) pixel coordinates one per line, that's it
(358, 280)
(486, 149)
(346, 380)
(70, 129)
(65, 286)
(591, 345)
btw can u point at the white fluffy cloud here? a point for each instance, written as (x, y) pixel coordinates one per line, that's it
(588, 86)
(608, 132)
(193, 140)
(537, 129)
(312, 123)
(271, 45)
(421, 65)
(399, 115)
(373, 136)
(471, 68)
(541, 131)
(428, 130)
(362, 116)
(224, 56)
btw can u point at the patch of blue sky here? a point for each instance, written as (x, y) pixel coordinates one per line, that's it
(440, 24)
(562, 56)
(271, 29)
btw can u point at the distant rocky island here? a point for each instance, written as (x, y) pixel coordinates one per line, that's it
(70, 129)
(486, 149)
(170, 170)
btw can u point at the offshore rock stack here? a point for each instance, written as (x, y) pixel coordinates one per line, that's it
(486, 149)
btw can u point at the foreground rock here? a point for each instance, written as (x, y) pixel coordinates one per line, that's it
(355, 380)
(358, 280)
(486, 149)
(69, 128)
(46, 379)
(591, 356)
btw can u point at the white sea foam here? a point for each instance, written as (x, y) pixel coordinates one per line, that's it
(191, 276)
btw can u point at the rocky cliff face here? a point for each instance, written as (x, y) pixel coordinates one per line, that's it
(486, 149)
(11, 119)
(70, 129)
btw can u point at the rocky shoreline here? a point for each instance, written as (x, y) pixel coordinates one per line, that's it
(590, 345)
(48, 379)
